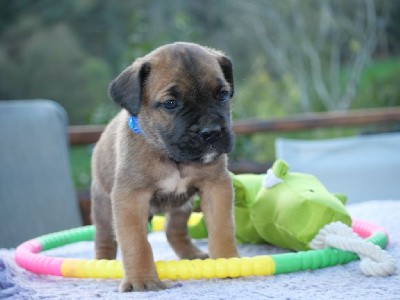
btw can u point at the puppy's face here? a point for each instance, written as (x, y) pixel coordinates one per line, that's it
(181, 94)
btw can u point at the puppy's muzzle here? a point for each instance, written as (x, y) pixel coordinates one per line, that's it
(202, 141)
(211, 135)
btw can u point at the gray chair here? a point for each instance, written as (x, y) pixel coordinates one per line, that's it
(36, 191)
(363, 167)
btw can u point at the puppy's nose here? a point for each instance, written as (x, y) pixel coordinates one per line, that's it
(211, 135)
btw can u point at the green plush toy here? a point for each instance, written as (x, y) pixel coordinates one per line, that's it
(282, 208)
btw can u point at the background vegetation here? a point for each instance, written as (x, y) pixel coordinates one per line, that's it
(289, 56)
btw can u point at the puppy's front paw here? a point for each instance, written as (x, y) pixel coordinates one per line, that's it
(224, 252)
(139, 285)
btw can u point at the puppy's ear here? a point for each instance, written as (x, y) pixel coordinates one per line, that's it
(126, 89)
(227, 69)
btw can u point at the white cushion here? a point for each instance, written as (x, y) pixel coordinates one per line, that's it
(363, 167)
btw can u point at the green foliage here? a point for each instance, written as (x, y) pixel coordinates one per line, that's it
(49, 63)
(380, 85)
(69, 51)
(260, 97)
(171, 22)
(80, 165)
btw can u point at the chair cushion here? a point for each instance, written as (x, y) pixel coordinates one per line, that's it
(36, 190)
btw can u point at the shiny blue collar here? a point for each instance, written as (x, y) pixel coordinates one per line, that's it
(134, 125)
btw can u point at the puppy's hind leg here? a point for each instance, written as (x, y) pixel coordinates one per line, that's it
(177, 234)
(105, 244)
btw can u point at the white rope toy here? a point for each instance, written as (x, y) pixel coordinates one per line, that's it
(374, 260)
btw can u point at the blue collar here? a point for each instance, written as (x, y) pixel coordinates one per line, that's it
(134, 125)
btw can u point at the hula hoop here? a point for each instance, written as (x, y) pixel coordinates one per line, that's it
(28, 257)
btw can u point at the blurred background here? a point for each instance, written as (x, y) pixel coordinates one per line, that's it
(290, 57)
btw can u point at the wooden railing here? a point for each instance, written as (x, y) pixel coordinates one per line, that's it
(88, 134)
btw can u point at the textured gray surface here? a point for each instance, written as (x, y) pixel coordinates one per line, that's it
(36, 191)
(339, 282)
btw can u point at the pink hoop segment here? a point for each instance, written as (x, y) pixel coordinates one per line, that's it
(365, 229)
(27, 256)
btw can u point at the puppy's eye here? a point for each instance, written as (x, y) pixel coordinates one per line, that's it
(170, 104)
(223, 96)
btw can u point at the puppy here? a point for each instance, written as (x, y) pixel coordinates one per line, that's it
(177, 99)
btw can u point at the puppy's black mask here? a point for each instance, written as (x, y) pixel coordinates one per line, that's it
(200, 134)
